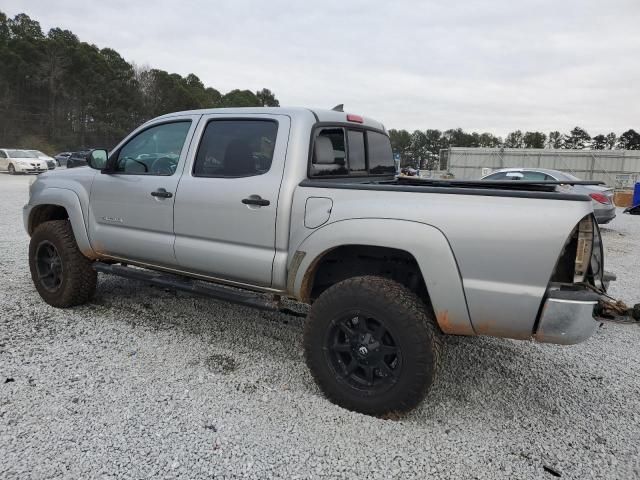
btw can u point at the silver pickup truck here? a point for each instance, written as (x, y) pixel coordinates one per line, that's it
(305, 204)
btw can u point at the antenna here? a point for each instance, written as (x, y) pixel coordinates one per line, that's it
(338, 108)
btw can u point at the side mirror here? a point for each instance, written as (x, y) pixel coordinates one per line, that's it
(97, 159)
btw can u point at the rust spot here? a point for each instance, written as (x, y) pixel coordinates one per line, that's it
(485, 328)
(447, 325)
(308, 279)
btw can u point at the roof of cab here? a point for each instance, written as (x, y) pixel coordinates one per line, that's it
(321, 115)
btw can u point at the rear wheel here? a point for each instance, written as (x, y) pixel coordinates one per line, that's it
(61, 274)
(372, 346)
(11, 169)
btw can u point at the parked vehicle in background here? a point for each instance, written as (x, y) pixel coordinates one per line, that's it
(62, 158)
(601, 196)
(20, 161)
(78, 159)
(51, 162)
(305, 204)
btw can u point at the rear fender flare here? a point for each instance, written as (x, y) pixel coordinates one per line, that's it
(425, 243)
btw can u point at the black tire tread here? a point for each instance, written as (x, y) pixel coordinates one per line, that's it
(414, 316)
(80, 279)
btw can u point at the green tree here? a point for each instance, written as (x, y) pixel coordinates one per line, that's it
(534, 140)
(514, 140)
(599, 142)
(240, 98)
(401, 144)
(420, 148)
(555, 140)
(488, 140)
(456, 137)
(577, 139)
(58, 91)
(612, 139)
(629, 140)
(267, 98)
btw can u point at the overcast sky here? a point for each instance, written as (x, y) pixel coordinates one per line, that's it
(488, 65)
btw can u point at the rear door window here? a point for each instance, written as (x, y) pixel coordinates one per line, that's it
(497, 176)
(236, 148)
(535, 176)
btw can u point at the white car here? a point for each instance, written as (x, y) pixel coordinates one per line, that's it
(51, 162)
(21, 161)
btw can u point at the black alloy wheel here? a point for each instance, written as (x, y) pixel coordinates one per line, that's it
(363, 352)
(49, 266)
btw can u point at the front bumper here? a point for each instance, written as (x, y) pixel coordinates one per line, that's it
(30, 168)
(567, 317)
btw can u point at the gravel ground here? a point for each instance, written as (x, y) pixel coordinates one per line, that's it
(145, 382)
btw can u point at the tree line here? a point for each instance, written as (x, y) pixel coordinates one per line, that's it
(421, 148)
(58, 93)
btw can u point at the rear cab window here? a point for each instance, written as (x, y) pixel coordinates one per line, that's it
(345, 151)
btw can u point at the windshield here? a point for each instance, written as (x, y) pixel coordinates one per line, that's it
(20, 154)
(38, 153)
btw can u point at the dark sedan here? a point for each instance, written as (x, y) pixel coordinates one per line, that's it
(78, 159)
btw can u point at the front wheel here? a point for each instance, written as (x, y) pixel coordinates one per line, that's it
(372, 346)
(61, 274)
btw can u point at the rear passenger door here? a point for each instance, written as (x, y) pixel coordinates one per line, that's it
(4, 162)
(225, 208)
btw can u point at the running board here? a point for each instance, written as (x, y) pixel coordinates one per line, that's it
(187, 285)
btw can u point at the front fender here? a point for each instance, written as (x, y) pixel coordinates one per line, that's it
(69, 200)
(425, 243)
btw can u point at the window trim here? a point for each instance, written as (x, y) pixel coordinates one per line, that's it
(227, 119)
(114, 157)
(345, 126)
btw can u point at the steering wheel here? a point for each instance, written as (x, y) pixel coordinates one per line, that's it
(163, 166)
(144, 165)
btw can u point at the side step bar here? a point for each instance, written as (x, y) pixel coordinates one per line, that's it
(187, 285)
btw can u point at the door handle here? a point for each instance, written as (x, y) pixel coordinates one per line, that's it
(256, 200)
(161, 193)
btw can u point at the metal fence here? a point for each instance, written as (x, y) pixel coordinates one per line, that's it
(618, 168)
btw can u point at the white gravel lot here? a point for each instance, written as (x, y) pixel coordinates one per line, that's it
(146, 383)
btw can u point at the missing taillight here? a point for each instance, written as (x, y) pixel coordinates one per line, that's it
(584, 248)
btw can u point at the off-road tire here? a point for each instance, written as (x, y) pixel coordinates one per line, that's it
(78, 283)
(401, 311)
(11, 169)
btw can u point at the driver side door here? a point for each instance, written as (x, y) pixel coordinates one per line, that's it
(131, 206)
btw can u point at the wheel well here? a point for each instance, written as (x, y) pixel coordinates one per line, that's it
(356, 260)
(45, 213)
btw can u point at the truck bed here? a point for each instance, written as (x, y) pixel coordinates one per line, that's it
(495, 188)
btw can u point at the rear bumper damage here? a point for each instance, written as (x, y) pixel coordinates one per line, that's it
(567, 317)
(571, 316)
